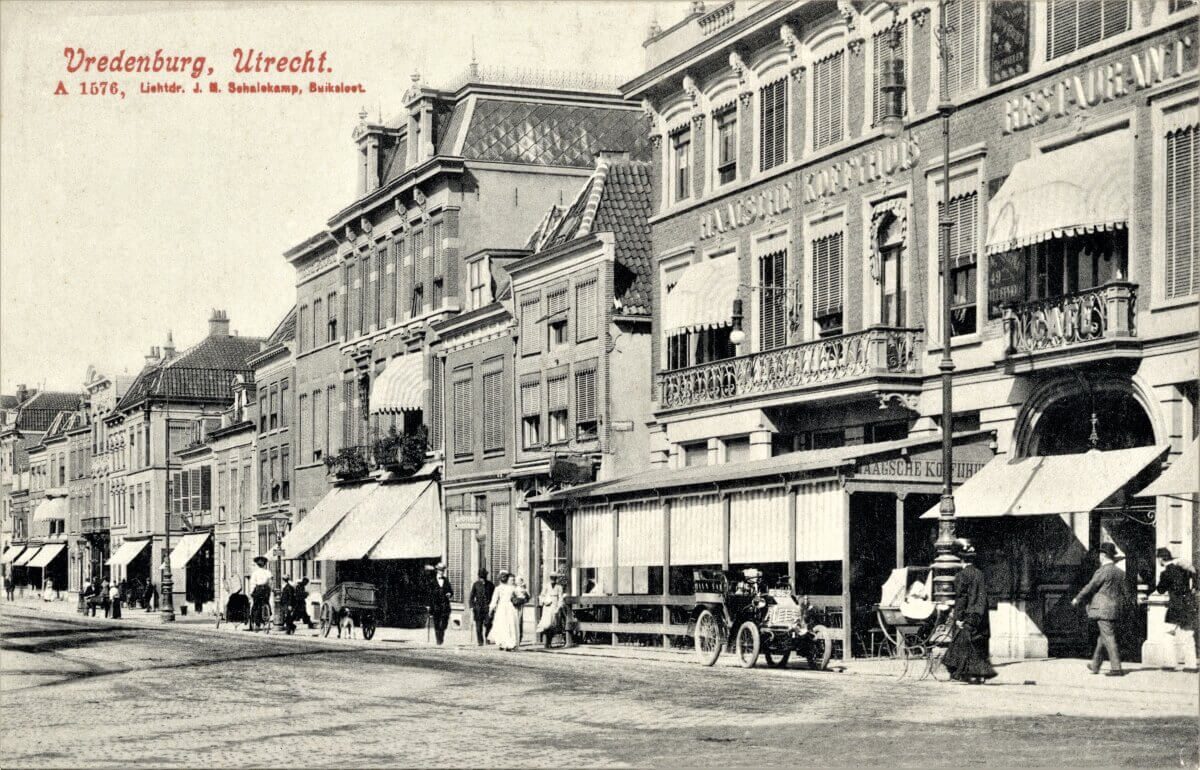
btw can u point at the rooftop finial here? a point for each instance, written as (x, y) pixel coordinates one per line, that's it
(362, 114)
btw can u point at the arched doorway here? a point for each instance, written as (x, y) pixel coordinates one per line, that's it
(1105, 420)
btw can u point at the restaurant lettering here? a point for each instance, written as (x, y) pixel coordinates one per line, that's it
(745, 210)
(903, 467)
(882, 160)
(1099, 84)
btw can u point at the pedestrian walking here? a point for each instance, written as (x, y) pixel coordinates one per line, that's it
(557, 617)
(9, 587)
(114, 601)
(1178, 581)
(1106, 597)
(440, 593)
(504, 615)
(48, 590)
(480, 601)
(150, 597)
(968, 657)
(104, 601)
(287, 602)
(300, 604)
(519, 600)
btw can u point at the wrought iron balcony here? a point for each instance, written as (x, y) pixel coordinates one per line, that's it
(1104, 313)
(93, 524)
(877, 351)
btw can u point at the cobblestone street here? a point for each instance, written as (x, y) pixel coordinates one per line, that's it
(95, 693)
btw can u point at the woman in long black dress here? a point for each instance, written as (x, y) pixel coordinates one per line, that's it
(967, 658)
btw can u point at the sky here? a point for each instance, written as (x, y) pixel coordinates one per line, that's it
(123, 218)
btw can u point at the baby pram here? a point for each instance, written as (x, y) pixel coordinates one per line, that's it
(916, 630)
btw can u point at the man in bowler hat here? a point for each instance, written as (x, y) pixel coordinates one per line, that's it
(440, 593)
(480, 601)
(1107, 592)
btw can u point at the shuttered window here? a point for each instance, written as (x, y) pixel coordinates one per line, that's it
(556, 301)
(585, 311)
(681, 162)
(827, 275)
(883, 54)
(389, 282)
(772, 309)
(530, 338)
(964, 213)
(500, 537)
(437, 258)
(493, 411)
(556, 393)
(772, 124)
(348, 413)
(458, 548)
(437, 387)
(462, 417)
(353, 295)
(531, 398)
(962, 18)
(828, 102)
(585, 396)
(1183, 232)
(1075, 24)
(368, 290)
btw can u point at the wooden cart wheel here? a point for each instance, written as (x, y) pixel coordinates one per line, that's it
(747, 643)
(820, 649)
(777, 660)
(326, 622)
(368, 627)
(708, 637)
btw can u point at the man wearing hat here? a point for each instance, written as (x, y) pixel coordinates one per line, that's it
(1107, 590)
(440, 592)
(260, 589)
(480, 600)
(1177, 580)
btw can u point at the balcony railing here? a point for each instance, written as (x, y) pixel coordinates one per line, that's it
(1105, 312)
(875, 351)
(719, 19)
(94, 524)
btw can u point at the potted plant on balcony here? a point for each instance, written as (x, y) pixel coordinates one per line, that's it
(348, 463)
(402, 453)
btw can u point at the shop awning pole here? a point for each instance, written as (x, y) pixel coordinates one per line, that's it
(666, 573)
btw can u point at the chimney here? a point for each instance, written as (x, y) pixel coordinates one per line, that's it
(168, 350)
(22, 393)
(610, 157)
(152, 356)
(218, 324)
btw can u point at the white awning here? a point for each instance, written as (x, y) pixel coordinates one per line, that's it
(703, 297)
(417, 534)
(128, 551)
(1081, 188)
(1182, 478)
(28, 556)
(1044, 486)
(51, 508)
(401, 387)
(321, 520)
(187, 548)
(366, 525)
(46, 555)
(11, 553)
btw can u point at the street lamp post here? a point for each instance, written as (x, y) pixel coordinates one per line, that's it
(945, 563)
(279, 520)
(166, 603)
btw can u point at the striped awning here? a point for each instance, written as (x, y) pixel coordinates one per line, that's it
(417, 533)
(128, 551)
(1182, 478)
(46, 555)
(11, 553)
(51, 508)
(382, 510)
(321, 520)
(401, 387)
(28, 556)
(703, 297)
(1064, 192)
(188, 547)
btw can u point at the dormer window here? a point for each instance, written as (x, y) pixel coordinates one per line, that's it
(479, 283)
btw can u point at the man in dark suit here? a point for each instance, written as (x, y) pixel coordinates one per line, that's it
(481, 601)
(1107, 591)
(440, 593)
(287, 605)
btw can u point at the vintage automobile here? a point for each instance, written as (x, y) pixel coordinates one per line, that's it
(751, 619)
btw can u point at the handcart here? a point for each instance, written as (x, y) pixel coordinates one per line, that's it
(916, 631)
(347, 605)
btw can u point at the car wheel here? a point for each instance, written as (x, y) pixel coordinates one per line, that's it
(708, 638)
(747, 643)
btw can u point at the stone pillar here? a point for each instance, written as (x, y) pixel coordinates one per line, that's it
(760, 444)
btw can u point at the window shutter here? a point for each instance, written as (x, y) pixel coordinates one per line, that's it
(500, 537)
(556, 395)
(493, 411)
(435, 397)
(435, 234)
(883, 53)
(531, 399)
(772, 309)
(462, 417)
(585, 395)
(530, 339)
(963, 236)
(827, 101)
(556, 301)
(1183, 232)
(206, 488)
(1074, 24)
(585, 310)
(185, 487)
(348, 413)
(772, 124)
(962, 17)
(827, 275)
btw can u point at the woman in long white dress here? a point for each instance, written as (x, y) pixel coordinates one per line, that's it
(504, 616)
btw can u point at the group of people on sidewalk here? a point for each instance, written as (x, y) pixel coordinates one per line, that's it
(252, 600)
(111, 597)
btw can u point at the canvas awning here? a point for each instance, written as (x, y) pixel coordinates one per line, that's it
(703, 297)
(321, 520)
(417, 534)
(51, 508)
(1043, 486)
(11, 553)
(1064, 192)
(28, 556)
(188, 547)
(1182, 478)
(366, 525)
(46, 555)
(401, 387)
(128, 551)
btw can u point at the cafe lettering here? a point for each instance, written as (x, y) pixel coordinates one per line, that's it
(745, 210)
(884, 160)
(1099, 84)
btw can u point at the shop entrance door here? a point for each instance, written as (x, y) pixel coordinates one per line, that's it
(872, 559)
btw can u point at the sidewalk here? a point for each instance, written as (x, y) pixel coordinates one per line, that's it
(1068, 673)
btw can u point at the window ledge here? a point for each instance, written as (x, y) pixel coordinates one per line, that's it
(1158, 305)
(961, 341)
